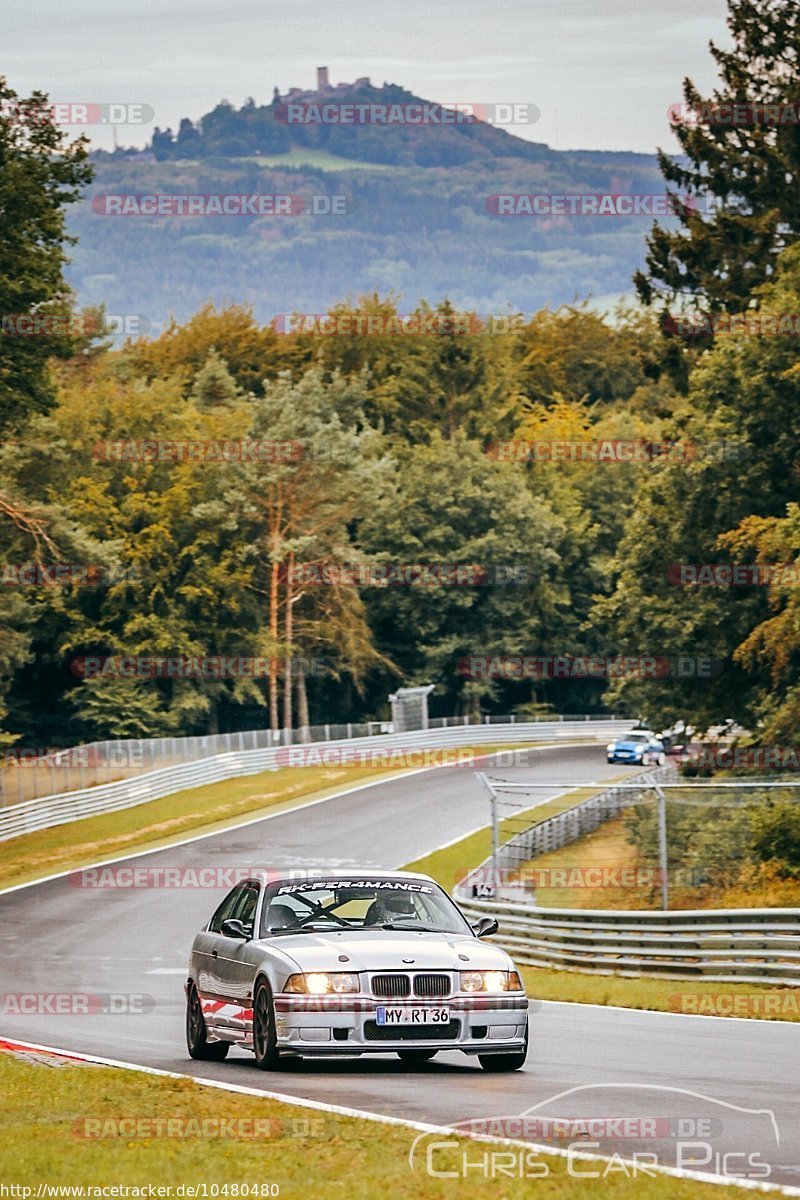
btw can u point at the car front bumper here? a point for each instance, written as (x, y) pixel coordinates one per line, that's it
(347, 1025)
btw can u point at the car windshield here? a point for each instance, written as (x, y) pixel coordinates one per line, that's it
(636, 737)
(315, 906)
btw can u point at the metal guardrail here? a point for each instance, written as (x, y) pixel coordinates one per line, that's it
(753, 945)
(58, 809)
(28, 774)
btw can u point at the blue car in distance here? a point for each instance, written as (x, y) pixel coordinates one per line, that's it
(639, 748)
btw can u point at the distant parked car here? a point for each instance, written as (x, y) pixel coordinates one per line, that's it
(640, 748)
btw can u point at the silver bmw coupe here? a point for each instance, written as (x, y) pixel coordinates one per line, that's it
(357, 962)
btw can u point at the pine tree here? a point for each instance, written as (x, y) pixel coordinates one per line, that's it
(39, 176)
(742, 167)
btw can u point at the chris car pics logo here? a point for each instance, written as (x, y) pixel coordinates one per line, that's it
(607, 1131)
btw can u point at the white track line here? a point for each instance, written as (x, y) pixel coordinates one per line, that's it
(381, 1119)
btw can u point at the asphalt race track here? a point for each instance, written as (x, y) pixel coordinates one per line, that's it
(730, 1087)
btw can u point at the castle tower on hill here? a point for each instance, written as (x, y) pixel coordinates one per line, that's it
(322, 79)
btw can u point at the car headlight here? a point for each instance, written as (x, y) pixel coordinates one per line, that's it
(490, 981)
(638, 751)
(320, 983)
(610, 747)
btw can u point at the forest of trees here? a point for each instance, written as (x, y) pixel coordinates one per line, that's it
(383, 448)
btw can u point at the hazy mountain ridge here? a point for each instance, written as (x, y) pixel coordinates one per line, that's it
(420, 228)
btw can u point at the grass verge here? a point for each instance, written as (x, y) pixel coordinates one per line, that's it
(701, 997)
(611, 874)
(105, 1127)
(160, 823)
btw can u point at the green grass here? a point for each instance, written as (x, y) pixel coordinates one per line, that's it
(449, 865)
(302, 1150)
(161, 822)
(666, 995)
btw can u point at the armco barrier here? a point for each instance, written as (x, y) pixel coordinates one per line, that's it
(752, 945)
(31, 773)
(46, 811)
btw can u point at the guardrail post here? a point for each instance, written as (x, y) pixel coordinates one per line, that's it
(662, 845)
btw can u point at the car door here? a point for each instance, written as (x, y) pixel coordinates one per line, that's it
(206, 946)
(234, 968)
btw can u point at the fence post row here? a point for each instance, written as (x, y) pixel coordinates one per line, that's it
(717, 945)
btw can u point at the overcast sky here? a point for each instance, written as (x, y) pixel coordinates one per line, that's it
(602, 74)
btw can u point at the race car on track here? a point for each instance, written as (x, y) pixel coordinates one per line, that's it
(640, 747)
(353, 963)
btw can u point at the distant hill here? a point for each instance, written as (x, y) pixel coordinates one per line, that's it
(416, 220)
(267, 129)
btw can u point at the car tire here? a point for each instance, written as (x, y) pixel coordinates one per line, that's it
(661, 759)
(265, 1038)
(505, 1062)
(416, 1056)
(197, 1041)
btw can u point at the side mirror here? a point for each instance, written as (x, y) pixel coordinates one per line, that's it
(235, 929)
(485, 927)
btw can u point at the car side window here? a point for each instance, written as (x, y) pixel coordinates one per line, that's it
(225, 909)
(245, 908)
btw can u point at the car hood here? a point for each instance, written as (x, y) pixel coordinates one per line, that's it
(621, 744)
(381, 950)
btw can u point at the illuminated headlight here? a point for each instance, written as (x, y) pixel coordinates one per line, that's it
(319, 983)
(638, 751)
(610, 748)
(490, 981)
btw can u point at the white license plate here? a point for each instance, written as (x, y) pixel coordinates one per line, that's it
(413, 1016)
